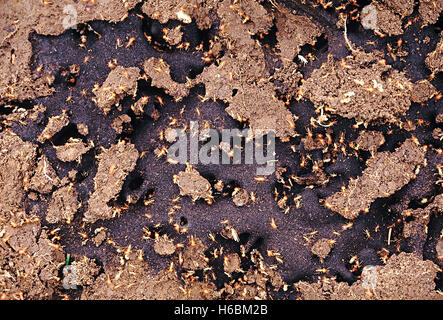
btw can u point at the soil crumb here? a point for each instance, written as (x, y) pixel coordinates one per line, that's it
(192, 184)
(386, 173)
(240, 197)
(55, 124)
(17, 164)
(322, 247)
(120, 123)
(357, 87)
(404, 277)
(173, 36)
(370, 140)
(182, 10)
(231, 263)
(294, 31)
(45, 178)
(71, 150)
(159, 73)
(63, 205)
(164, 246)
(114, 165)
(434, 60)
(85, 271)
(430, 10)
(423, 91)
(194, 255)
(119, 83)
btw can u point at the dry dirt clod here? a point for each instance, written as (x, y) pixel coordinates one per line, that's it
(430, 10)
(357, 88)
(194, 256)
(439, 249)
(294, 31)
(55, 124)
(321, 248)
(119, 123)
(192, 184)
(173, 36)
(17, 163)
(182, 10)
(386, 173)
(71, 150)
(45, 178)
(119, 83)
(240, 197)
(422, 91)
(164, 246)
(159, 72)
(386, 20)
(114, 165)
(85, 271)
(370, 140)
(63, 205)
(405, 277)
(100, 236)
(434, 60)
(232, 263)
(83, 129)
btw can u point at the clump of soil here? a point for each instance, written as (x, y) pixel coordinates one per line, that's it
(82, 129)
(30, 263)
(231, 263)
(434, 60)
(415, 227)
(322, 247)
(63, 205)
(17, 164)
(370, 140)
(422, 91)
(294, 31)
(173, 36)
(182, 10)
(139, 106)
(194, 255)
(386, 21)
(386, 173)
(401, 7)
(100, 236)
(192, 184)
(357, 87)
(404, 277)
(119, 83)
(85, 271)
(48, 18)
(120, 122)
(430, 11)
(55, 124)
(240, 197)
(164, 246)
(114, 165)
(439, 249)
(45, 178)
(72, 150)
(159, 73)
